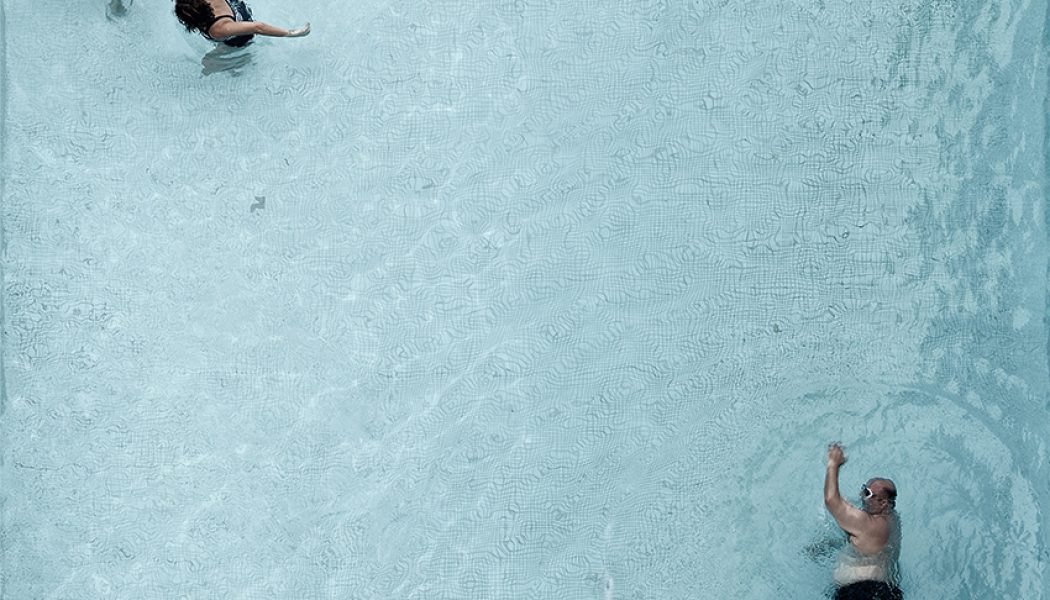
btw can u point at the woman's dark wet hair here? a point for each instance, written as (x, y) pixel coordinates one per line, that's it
(194, 14)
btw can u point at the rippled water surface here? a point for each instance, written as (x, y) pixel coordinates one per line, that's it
(521, 299)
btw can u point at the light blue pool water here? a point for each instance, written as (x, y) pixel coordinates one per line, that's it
(521, 299)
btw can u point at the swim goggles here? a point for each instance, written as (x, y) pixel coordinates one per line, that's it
(866, 492)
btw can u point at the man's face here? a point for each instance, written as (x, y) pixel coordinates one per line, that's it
(874, 493)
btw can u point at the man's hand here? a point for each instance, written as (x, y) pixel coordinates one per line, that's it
(836, 456)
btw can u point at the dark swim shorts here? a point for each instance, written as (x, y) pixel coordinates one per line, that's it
(869, 590)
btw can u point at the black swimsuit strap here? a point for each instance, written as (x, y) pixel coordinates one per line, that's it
(215, 20)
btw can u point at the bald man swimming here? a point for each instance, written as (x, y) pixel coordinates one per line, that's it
(867, 566)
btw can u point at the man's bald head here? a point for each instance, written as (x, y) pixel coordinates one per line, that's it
(884, 488)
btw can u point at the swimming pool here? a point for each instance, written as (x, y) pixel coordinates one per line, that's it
(521, 299)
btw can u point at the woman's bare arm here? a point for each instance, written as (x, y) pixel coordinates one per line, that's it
(227, 29)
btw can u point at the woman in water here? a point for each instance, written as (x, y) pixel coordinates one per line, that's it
(228, 21)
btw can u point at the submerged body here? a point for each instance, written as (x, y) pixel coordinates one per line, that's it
(853, 565)
(118, 8)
